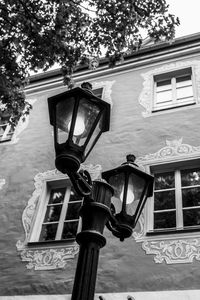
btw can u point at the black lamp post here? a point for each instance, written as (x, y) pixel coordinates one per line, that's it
(116, 201)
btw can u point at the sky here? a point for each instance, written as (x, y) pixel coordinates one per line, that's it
(188, 12)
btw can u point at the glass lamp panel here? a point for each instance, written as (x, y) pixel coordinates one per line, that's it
(85, 119)
(136, 186)
(94, 137)
(117, 182)
(64, 112)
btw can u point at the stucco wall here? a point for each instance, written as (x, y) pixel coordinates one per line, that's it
(123, 267)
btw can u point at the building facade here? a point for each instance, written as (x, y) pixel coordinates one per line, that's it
(155, 100)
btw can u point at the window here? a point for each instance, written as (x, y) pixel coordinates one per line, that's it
(173, 89)
(58, 215)
(6, 130)
(176, 199)
(98, 92)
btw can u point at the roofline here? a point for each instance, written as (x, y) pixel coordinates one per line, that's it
(156, 52)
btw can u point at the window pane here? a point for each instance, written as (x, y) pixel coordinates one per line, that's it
(53, 213)
(164, 200)
(165, 220)
(70, 230)
(191, 217)
(191, 197)
(183, 80)
(74, 196)
(162, 97)
(163, 85)
(57, 195)
(190, 177)
(73, 211)
(184, 92)
(164, 181)
(48, 232)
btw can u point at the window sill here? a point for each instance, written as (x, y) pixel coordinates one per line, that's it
(156, 110)
(173, 231)
(48, 244)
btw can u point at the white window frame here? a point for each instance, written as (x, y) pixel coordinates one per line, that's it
(175, 167)
(42, 208)
(171, 76)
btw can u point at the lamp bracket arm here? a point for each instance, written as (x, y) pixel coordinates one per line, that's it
(82, 182)
(113, 225)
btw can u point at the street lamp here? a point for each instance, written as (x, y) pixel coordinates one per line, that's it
(115, 201)
(78, 118)
(131, 187)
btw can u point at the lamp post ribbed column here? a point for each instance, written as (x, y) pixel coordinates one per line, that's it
(95, 213)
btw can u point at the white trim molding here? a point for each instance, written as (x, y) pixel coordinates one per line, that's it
(175, 247)
(152, 295)
(146, 96)
(2, 183)
(51, 256)
(21, 126)
(107, 89)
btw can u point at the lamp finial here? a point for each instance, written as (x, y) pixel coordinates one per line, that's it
(130, 158)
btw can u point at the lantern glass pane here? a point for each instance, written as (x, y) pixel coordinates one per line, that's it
(85, 119)
(134, 191)
(117, 182)
(94, 137)
(64, 112)
(136, 186)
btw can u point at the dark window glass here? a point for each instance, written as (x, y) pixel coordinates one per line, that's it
(190, 177)
(74, 196)
(164, 181)
(164, 82)
(57, 195)
(53, 213)
(191, 197)
(165, 220)
(73, 211)
(48, 232)
(70, 230)
(191, 217)
(164, 200)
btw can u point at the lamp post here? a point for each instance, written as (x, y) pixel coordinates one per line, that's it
(115, 201)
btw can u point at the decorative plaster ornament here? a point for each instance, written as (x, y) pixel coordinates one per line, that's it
(54, 256)
(146, 95)
(176, 247)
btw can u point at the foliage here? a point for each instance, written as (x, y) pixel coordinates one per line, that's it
(37, 34)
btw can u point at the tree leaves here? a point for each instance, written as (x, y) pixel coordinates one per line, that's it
(37, 34)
